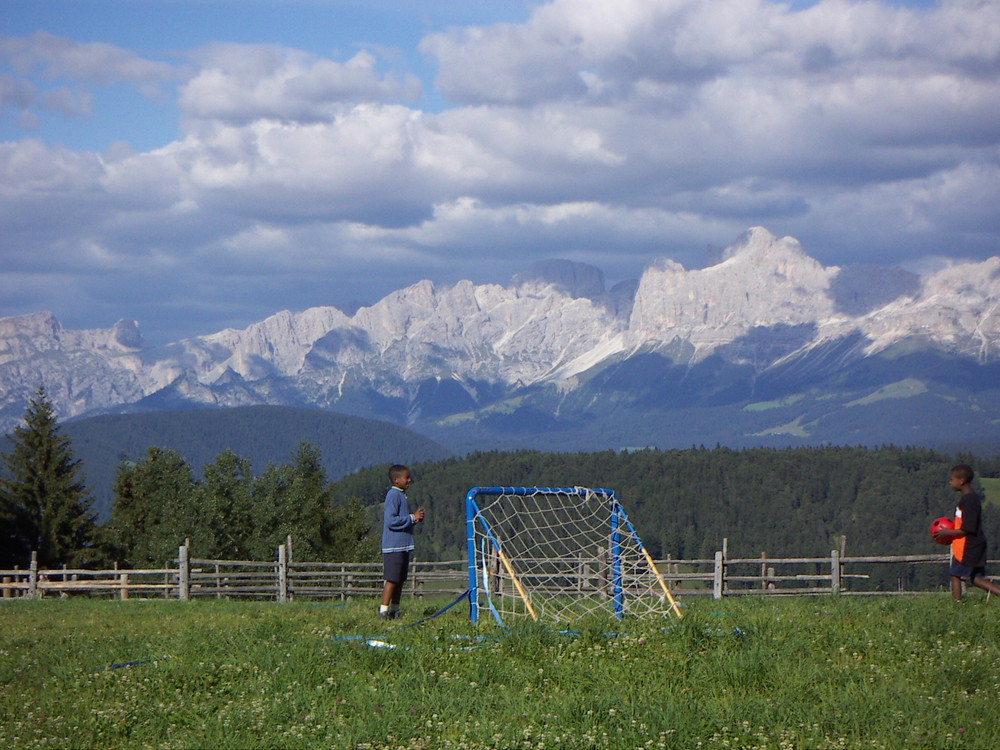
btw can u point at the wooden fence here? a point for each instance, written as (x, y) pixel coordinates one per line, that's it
(285, 580)
(282, 579)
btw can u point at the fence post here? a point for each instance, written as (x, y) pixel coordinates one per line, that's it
(282, 574)
(123, 585)
(33, 576)
(835, 571)
(289, 559)
(718, 578)
(184, 571)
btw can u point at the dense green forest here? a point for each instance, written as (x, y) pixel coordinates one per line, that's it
(263, 435)
(788, 502)
(229, 511)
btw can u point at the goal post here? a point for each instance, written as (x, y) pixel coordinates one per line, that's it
(558, 554)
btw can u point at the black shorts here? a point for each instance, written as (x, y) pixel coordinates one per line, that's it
(957, 570)
(395, 566)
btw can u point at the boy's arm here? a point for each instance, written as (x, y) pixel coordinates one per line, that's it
(395, 519)
(949, 534)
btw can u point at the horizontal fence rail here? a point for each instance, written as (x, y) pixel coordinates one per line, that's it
(283, 580)
(36, 583)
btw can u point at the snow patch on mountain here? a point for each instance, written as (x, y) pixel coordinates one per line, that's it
(761, 282)
(765, 302)
(958, 307)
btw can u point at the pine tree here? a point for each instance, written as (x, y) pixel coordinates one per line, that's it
(44, 493)
(295, 499)
(10, 552)
(292, 499)
(225, 524)
(153, 508)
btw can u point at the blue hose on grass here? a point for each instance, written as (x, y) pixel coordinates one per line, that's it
(130, 664)
(463, 595)
(376, 643)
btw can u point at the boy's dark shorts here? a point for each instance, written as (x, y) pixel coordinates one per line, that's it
(957, 570)
(395, 566)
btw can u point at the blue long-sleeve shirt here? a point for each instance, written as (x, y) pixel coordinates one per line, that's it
(398, 522)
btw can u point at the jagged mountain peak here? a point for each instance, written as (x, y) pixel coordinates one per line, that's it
(566, 276)
(964, 278)
(47, 332)
(759, 246)
(43, 322)
(958, 307)
(762, 282)
(554, 327)
(126, 333)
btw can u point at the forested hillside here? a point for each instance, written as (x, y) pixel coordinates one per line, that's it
(263, 434)
(787, 502)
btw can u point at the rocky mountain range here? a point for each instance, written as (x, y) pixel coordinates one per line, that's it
(765, 346)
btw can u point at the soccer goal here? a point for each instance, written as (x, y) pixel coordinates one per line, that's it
(558, 554)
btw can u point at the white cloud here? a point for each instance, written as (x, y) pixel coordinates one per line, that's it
(240, 83)
(54, 75)
(604, 132)
(94, 62)
(36, 177)
(631, 42)
(948, 207)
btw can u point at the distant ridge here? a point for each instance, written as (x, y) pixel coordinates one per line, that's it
(766, 346)
(263, 434)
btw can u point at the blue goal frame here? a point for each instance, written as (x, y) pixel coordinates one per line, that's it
(617, 520)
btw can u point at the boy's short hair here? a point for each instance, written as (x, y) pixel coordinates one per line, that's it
(963, 472)
(396, 471)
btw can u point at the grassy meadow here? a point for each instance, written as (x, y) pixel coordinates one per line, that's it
(823, 672)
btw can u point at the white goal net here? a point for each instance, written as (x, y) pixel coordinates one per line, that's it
(558, 554)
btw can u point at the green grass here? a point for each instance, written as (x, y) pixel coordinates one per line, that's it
(991, 486)
(819, 672)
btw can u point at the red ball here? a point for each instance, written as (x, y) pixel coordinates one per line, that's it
(942, 523)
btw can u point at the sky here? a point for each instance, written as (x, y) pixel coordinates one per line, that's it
(196, 165)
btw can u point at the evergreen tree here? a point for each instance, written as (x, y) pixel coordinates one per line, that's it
(295, 499)
(292, 499)
(10, 546)
(43, 494)
(231, 514)
(225, 525)
(351, 538)
(153, 509)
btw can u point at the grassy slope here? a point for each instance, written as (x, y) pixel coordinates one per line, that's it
(817, 673)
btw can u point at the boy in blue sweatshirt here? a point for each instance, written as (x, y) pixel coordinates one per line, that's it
(397, 540)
